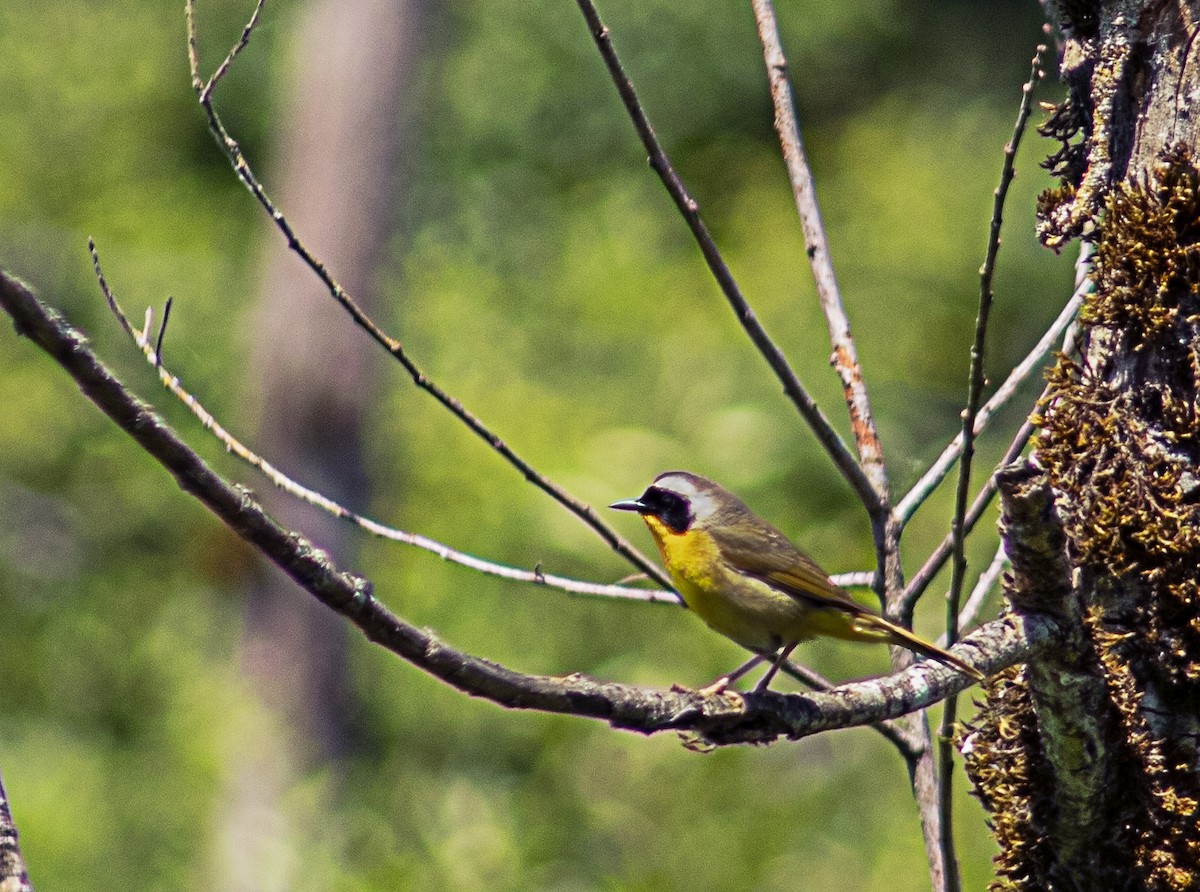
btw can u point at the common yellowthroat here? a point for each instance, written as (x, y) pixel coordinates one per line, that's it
(747, 581)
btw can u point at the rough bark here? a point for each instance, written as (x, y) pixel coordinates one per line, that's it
(1087, 758)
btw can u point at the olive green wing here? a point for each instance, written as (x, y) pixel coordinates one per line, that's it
(764, 553)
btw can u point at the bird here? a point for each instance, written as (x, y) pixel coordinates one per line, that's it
(747, 581)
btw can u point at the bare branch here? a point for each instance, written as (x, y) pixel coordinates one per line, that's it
(205, 89)
(690, 209)
(921, 579)
(725, 719)
(242, 168)
(816, 246)
(162, 330)
(856, 579)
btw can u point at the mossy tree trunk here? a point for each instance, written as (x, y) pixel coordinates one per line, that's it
(1088, 759)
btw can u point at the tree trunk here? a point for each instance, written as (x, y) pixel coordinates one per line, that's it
(1088, 758)
(338, 156)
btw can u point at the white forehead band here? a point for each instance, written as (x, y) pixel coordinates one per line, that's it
(701, 502)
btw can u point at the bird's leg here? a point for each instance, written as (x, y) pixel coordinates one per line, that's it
(779, 661)
(725, 681)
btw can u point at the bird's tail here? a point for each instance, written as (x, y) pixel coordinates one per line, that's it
(904, 638)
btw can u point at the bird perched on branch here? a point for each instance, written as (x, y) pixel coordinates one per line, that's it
(747, 581)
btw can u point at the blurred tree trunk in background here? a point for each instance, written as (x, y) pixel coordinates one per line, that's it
(337, 157)
(1088, 758)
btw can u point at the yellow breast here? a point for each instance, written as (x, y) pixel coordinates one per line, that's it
(741, 608)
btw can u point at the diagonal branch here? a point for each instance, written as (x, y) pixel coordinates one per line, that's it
(938, 471)
(725, 719)
(921, 579)
(204, 90)
(537, 576)
(153, 355)
(816, 246)
(934, 563)
(829, 439)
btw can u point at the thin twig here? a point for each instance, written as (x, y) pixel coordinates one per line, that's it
(975, 377)
(980, 592)
(244, 172)
(816, 246)
(234, 446)
(975, 383)
(921, 579)
(162, 330)
(938, 471)
(312, 497)
(829, 439)
(205, 90)
(855, 579)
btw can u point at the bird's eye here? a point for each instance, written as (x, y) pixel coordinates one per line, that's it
(669, 507)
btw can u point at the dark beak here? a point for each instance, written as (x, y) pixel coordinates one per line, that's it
(630, 505)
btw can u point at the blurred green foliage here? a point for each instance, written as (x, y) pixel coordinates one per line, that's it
(541, 275)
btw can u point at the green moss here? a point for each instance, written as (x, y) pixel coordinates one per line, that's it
(1050, 201)
(1147, 258)
(1002, 756)
(1065, 123)
(1122, 457)
(1166, 847)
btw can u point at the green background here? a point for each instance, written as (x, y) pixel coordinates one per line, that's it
(540, 274)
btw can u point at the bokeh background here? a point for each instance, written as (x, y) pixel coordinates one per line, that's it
(536, 268)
